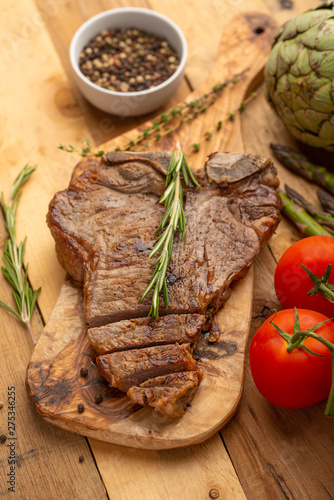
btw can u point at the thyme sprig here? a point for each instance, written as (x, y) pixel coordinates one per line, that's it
(25, 297)
(86, 149)
(185, 112)
(196, 146)
(171, 121)
(174, 218)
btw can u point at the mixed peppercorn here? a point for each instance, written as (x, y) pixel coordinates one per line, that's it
(128, 60)
(81, 408)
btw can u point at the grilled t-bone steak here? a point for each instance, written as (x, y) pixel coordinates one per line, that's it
(104, 227)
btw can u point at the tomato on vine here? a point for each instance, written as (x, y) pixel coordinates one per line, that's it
(304, 276)
(292, 359)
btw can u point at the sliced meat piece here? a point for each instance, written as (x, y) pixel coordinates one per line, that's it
(146, 332)
(104, 227)
(168, 394)
(128, 368)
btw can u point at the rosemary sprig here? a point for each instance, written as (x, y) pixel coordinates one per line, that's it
(174, 218)
(25, 297)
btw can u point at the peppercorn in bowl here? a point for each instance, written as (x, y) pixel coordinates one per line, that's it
(128, 61)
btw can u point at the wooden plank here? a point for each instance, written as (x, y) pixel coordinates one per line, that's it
(196, 472)
(44, 459)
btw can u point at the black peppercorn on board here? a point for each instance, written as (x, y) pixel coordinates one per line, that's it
(62, 392)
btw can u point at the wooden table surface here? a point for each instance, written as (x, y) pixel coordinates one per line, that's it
(264, 452)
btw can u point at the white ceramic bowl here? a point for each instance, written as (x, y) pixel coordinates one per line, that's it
(129, 103)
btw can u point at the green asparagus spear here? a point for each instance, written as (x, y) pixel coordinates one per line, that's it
(326, 220)
(305, 223)
(301, 165)
(326, 200)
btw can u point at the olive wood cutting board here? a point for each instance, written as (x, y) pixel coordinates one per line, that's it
(53, 378)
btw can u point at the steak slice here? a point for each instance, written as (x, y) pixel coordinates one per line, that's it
(168, 394)
(128, 368)
(104, 227)
(146, 332)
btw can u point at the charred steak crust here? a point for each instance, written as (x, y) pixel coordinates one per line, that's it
(104, 229)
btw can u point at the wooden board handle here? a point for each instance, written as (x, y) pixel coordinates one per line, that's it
(245, 43)
(244, 48)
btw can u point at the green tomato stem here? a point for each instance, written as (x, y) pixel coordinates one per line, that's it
(293, 344)
(321, 285)
(324, 290)
(329, 412)
(307, 333)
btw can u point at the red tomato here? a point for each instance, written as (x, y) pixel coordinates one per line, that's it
(291, 379)
(292, 282)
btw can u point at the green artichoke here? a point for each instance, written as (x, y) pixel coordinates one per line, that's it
(299, 76)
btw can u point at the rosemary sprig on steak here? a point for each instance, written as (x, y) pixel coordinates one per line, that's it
(25, 297)
(174, 218)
